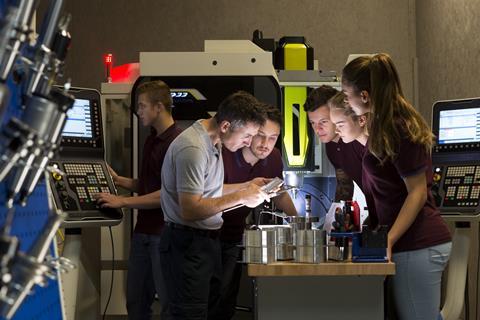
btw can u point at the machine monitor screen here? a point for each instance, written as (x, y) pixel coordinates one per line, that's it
(79, 120)
(459, 126)
(83, 128)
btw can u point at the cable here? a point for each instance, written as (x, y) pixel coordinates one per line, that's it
(113, 269)
(478, 282)
(466, 300)
(61, 235)
(60, 242)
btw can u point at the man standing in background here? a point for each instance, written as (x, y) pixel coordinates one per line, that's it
(154, 109)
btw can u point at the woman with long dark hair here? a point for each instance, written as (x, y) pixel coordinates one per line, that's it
(397, 170)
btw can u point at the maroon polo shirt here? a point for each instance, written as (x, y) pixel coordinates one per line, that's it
(389, 192)
(348, 157)
(150, 221)
(237, 170)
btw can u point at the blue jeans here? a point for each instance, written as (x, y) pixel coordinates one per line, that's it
(417, 281)
(144, 277)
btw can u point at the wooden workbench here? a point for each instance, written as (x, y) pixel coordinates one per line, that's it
(283, 269)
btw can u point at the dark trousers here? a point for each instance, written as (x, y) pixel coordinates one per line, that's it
(232, 273)
(144, 277)
(191, 266)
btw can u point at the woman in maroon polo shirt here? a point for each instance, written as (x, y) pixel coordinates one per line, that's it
(397, 169)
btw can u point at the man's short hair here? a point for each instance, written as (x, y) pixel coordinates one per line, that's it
(319, 97)
(239, 109)
(272, 113)
(157, 92)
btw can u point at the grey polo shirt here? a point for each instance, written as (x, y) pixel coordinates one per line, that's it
(192, 165)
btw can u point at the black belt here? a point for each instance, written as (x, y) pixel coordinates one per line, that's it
(203, 232)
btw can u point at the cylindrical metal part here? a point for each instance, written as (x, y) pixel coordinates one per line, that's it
(40, 115)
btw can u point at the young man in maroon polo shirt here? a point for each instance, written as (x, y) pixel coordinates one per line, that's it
(154, 109)
(260, 159)
(346, 158)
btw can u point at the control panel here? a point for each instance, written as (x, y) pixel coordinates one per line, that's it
(457, 187)
(74, 192)
(82, 171)
(456, 156)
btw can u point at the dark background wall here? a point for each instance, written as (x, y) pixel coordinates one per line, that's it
(433, 43)
(448, 46)
(334, 28)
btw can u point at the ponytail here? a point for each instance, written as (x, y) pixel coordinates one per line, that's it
(392, 116)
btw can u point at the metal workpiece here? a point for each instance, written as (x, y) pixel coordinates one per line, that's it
(259, 238)
(285, 252)
(269, 243)
(285, 249)
(260, 246)
(310, 254)
(263, 255)
(311, 246)
(284, 234)
(310, 237)
(300, 223)
(295, 241)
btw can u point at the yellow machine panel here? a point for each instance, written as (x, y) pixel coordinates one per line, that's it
(295, 131)
(295, 56)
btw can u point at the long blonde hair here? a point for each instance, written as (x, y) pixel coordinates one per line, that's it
(337, 102)
(391, 114)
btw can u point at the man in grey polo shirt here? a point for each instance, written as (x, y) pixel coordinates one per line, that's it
(193, 198)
